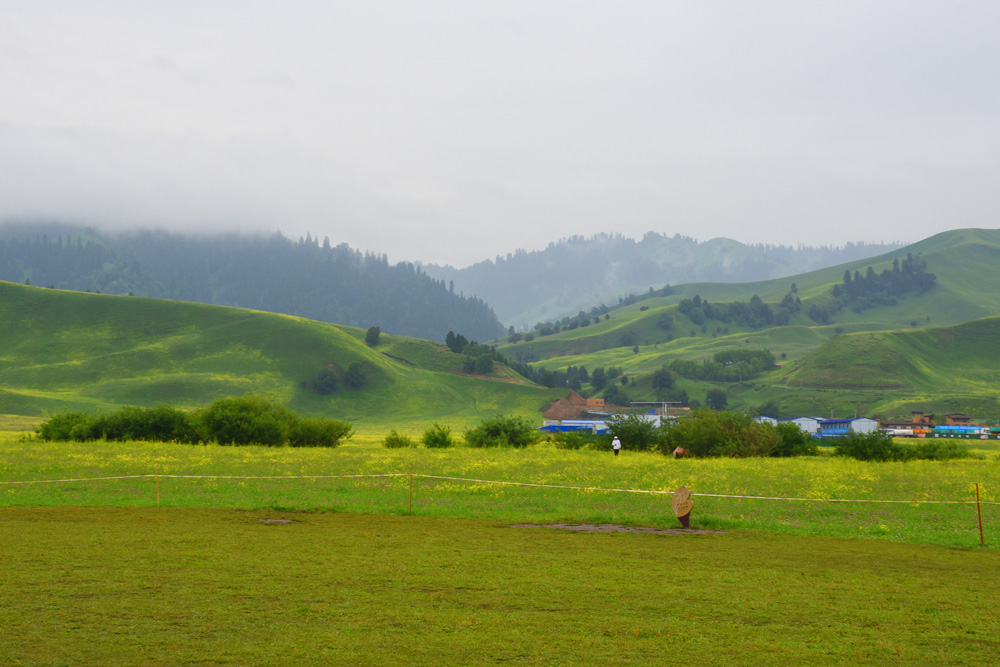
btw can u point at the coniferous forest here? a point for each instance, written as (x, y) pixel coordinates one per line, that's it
(307, 278)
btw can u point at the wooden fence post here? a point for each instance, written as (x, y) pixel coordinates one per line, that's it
(979, 512)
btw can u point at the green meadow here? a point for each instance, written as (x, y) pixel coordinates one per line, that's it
(169, 586)
(257, 555)
(631, 489)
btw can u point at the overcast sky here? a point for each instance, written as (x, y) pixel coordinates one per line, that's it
(451, 132)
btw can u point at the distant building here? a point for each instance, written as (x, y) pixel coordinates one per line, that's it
(833, 428)
(957, 419)
(809, 425)
(918, 421)
(567, 425)
(766, 420)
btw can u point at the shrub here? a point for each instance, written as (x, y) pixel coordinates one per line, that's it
(575, 440)
(317, 432)
(793, 441)
(875, 446)
(748, 439)
(636, 433)
(231, 421)
(66, 426)
(939, 451)
(502, 431)
(878, 446)
(245, 420)
(437, 437)
(396, 441)
(713, 433)
(355, 376)
(162, 423)
(326, 382)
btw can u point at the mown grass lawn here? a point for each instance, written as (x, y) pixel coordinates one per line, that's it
(200, 586)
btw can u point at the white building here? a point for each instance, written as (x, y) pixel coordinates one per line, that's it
(809, 425)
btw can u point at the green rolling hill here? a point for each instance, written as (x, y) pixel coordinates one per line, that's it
(68, 350)
(632, 337)
(965, 261)
(952, 368)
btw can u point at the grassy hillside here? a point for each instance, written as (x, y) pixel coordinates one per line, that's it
(955, 368)
(633, 337)
(965, 261)
(66, 350)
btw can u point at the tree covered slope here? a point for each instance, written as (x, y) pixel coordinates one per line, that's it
(305, 278)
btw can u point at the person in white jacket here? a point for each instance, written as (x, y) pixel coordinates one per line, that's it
(616, 445)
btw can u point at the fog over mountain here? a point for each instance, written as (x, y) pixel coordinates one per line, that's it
(445, 132)
(576, 273)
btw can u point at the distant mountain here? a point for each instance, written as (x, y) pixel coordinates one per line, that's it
(273, 273)
(577, 273)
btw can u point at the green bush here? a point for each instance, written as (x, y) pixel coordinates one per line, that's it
(245, 420)
(714, 433)
(162, 423)
(502, 431)
(437, 437)
(577, 440)
(875, 446)
(66, 426)
(396, 441)
(878, 446)
(230, 421)
(794, 441)
(635, 432)
(316, 432)
(939, 451)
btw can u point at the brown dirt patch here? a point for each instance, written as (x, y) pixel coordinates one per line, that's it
(618, 528)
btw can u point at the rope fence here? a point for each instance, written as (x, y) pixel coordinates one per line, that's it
(470, 480)
(498, 482)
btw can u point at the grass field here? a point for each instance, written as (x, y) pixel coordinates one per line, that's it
(95, 573)
(183, 586)
(821, 477)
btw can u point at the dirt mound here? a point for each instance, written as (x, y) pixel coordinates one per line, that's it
(618, 528)
(571, 407)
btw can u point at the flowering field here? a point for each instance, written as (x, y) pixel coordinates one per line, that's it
(822, 477)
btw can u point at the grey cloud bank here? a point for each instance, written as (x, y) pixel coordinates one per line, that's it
(454, 131)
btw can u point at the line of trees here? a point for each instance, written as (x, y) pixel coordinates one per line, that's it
(869, 290)
(753, 314)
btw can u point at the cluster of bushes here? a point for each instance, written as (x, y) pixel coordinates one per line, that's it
(878, 446)
(726, 366)
(870, 289)
(499, 431)
(328, 380)
(704, 433)
(242, 420)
